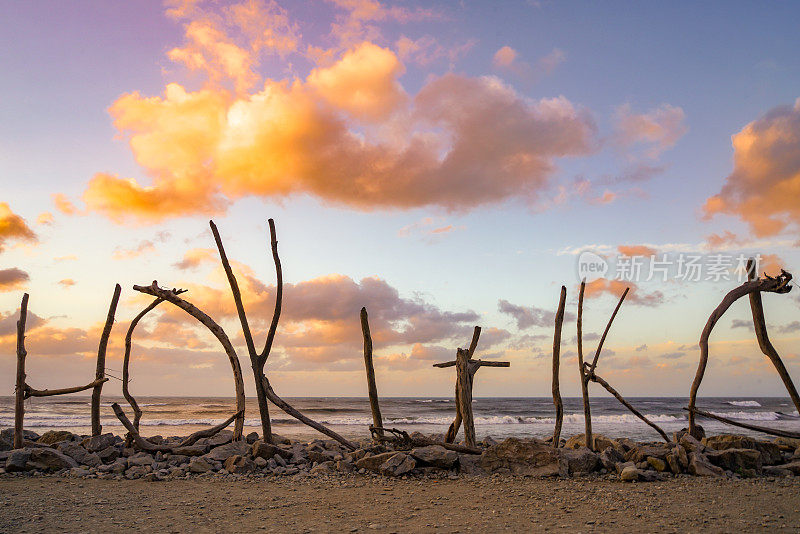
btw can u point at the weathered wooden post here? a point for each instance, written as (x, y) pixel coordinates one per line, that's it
(466, 368)
(19, 391)
(100, 371)
(372, 388)
(556, 365)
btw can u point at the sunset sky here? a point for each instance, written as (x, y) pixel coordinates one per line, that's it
(443, 164)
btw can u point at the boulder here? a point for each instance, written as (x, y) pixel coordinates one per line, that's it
(264, 450)
(251, 438)
(18, 460)
(198, 464)
(7, 434)
(787, 444)
(735, 460)
(98, 443)
(191, 450)
(642, 452)
(673, 463)
(54, 436)
(373, 462)
(239, 465)
(47, 459)
(220, 438)
(629, 474)
(223, 452)
(578, 461)
(137, 471)
(325, 468)
(5, 445)
(601, 442)
(700, 466)
(141, 458)
(691, 444)
(777, 471)
(397, 465)
(344, 466)
(682, 457)
(109, 454)
(435, 455)
(793, 467)
(79, 454)
(657, 463)
(470, 464)
(610, 458)
(522, 457)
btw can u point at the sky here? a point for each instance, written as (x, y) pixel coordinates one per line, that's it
(445, 165)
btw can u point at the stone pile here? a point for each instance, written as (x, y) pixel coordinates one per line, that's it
(106, 456)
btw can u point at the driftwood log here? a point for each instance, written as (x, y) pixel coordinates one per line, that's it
(19, 390)
(137, 412)
(100, 371)
(559, 404)
(372, 388)
(768, 284)
(171, 296)
(757, 428)
(258, 360)
(587, 411)
(403, 439)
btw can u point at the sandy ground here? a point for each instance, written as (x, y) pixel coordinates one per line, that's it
(341, 504)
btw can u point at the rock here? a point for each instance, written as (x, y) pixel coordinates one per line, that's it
(109, 454)
(98, 443)
(397, 465)
(700, 466)
(261, 463)
(264, 450)
(141, 458)
(191, 450)
(642, 452)
(7, 434)
(770, 451)
(620, 467)
(220, 438)
(578, 461)
(776, 471)
(601, 442)
(373, 462)
(674, 464)
(610, 458)
(699, 432)
(47, 459)
(682, 457)
(5, 445)
(793, 467)
(629, 474)
(522, 457)
(198, 464)
(239, 465)
(177, 459)
(322, 456)
(223, 452)
(787, 444)
(79, 472)
(435, 455)
(736, 460)
(79, 454)
(17, 460)
(54, 436)
(470, 464)
(325, 468)
(251, 438)
(691, 444)
(137, 471)
(657, 463)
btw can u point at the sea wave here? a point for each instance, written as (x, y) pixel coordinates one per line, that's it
(750, 416)
(745, 404)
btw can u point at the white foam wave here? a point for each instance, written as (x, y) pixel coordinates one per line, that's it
(745, 404)
(749, 416)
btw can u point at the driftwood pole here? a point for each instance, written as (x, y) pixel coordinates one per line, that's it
(465, 397)
(587, 411)
(137, 412)
(764, 343)
(372, 388)
(779, 284)
(172, 297)
(100, 371)
(19, 391)
(556, 364)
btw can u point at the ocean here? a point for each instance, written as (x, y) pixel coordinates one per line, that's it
(495, 417)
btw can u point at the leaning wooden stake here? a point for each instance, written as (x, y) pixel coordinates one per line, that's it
(19, 392)
(587, 412)
(763, 429)
(760, 324)
(779, 284)
(100, 371)
(372, 387)
(629, 406)
(172, 297)
(556, 364)
(137, 412)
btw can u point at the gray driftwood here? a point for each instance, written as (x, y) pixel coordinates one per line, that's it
(100, 371)
(763, 429)
(137, 412)
(587, 411)
(19, 390)
(556, 365)
(372, 387)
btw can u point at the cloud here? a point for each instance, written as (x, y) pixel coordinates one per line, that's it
(13, 227)
(640, 348)
(193, 258)
(672, 355)
(13, 278)
(655, 131)
(790, 328)
(45, 218)
(348, 134)
(742, 323)
(636, 250)
(67, 282)
(429, 228)
(64, 205)
(764, 186)
(527, 317)
(504, 57)
(507, 59)
(143, 247)
(615, 288)
(721, 241)
(426, 50)
(8, 322)
(68, 257)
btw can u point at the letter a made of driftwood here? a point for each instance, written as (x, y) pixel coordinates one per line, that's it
(466, 368)
(23, 391)
(753, 287)
(258, 360)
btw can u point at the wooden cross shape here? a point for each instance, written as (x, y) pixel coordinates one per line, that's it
(466, 368)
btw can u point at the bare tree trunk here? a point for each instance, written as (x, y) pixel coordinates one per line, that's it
(556, 364)
(465, 398)
(760, 324)
(629, 406)
(137, 412)
(372, 387)
(19, 392)
(587, 412)
(172, 297)
(100, 372)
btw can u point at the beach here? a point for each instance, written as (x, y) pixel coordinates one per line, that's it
(346, 503)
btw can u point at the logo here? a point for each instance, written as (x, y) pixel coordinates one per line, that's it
(591, 266)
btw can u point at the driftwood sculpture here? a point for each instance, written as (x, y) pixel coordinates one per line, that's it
(556, 365)
(402, 439)
(258, 360)
(753, 287)
(466, 368)
(137, 412)
(372, 388)
(587, 372)
(23, 391)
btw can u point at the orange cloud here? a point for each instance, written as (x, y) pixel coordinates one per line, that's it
(45, 218)
(64, 205)
(771, 264)
(504, 57)
(13, 278)
(143, 247)
(716, 241)
(658, 129)
(67, 282)
(13, 227)
(195, 257)
(615, 288)
(636, 250)
(764, 186)
(507, 59)
(427, 50)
